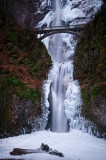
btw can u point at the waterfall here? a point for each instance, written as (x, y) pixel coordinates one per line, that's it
(58, 119)
(62, 97)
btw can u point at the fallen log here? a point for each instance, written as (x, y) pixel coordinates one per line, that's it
(44, 148)
(19, 151)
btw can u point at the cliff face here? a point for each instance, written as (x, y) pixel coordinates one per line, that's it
(90, 70)
(26, 12)
(24, 63)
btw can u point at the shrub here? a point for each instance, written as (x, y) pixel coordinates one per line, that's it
(14, 81)
(12, 36)
(98, 89)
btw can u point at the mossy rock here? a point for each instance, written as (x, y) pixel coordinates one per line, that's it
(86, 106)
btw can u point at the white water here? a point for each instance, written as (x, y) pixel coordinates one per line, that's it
(63, 91)
(58, 119)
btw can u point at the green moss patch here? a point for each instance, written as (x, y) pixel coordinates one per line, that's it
(86, 106)
(23, 90)
(99, 89)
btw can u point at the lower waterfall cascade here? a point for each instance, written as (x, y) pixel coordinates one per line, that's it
(62, 97)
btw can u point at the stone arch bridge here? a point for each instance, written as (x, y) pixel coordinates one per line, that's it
(47, 31)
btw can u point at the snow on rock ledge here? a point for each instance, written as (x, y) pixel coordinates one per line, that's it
(74, 13)
(83, 10)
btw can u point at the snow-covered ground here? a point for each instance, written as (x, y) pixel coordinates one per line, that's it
(74, 145)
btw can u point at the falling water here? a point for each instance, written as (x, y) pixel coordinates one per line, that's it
(58, 119)
(61, 92)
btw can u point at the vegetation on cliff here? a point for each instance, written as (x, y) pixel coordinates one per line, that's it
(24, 63)
(90, 70)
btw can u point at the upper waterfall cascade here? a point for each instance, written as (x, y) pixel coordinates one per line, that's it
(62, 99)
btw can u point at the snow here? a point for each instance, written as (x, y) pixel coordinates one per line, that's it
(49, 2)
(69, 15)
(75, 145)
(47, 19)
(45, 3)
(84, 10)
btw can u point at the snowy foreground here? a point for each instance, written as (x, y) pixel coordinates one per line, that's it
(74, 145)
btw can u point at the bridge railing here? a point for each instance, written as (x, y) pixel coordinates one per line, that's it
(59, 27)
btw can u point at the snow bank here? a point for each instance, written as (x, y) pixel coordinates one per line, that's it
(74, 145)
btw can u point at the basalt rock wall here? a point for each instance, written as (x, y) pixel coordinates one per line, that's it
(90, 70)
(24, 64)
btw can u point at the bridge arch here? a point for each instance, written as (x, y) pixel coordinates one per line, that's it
(57, 32)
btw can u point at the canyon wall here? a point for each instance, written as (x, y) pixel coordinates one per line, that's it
(90, 70)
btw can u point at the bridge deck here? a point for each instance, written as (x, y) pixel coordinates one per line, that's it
(47, 31)
(74, 28)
